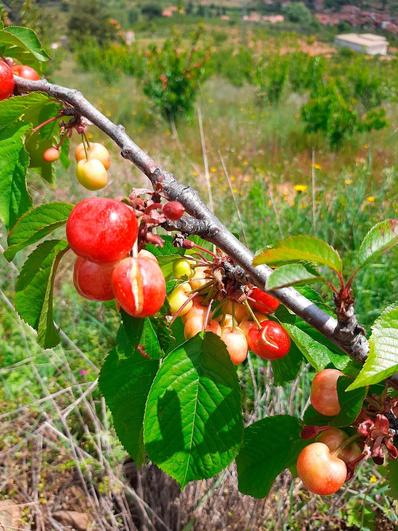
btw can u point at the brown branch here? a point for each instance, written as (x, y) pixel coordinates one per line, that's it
(201, 220)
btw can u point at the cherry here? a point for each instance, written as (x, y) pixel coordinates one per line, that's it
(321, 471)
(195, 324)
(26, 72)
(94, 151)
(182, 269)
(239, 311)
(270, 342)
(196, 310)
(246, 325)
(51, 154)
(173, 210)
(7, 82)
(92, 280)
(334, 439)
(263, 302)
(102, 230)
(139, 286)
(91, 174)
(146, 254)
(324, 397)
(178, 297)
(200, 278)
(236, 343)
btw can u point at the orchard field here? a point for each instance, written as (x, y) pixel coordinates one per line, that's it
(282, 135)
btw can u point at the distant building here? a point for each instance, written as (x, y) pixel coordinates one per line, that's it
(364, 43)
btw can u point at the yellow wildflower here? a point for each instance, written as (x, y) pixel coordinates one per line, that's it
(373, 479)
(348, 181)
(371, 199)
(317, 166)
(213, 169)
(300, 188)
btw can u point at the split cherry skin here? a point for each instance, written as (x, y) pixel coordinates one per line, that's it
(139, 286)
(93, 281)
(102, 230)
(270, 341)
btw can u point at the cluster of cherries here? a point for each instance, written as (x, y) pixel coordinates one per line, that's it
(7, 72)
(102, 233)
(242, 326)
(325, 465)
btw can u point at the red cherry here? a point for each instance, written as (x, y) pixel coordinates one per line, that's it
(51, 154)
(7, 82)
(173, 210)
(26, 72)
(92, 280)
(321, 471)
(263, 302)
(270, 342)
(102, 230)
(324, 396)
(139, 286)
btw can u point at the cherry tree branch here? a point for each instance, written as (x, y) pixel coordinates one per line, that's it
(201, 221)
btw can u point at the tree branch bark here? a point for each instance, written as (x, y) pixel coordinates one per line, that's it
(203, 222)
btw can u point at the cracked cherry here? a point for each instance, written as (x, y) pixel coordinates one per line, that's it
(7, 82)
(139, 286)
(93, 281)
(263, 302)
(173, 210)
(321, 471)
(25, 71)
(270, 341)
(102, 230)
(324, 396)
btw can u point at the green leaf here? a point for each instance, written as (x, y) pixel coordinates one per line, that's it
(290, 274)
(286, 369)
(314, 352)
(382, 361)
(193, 422)
(34, 290)
(298, 248)
(139, 332)
(269, 446)
(382, 237)
(17, 107)
(125, 384)
(35, 225)
(14, 161)
(22, 44)
(350, 403)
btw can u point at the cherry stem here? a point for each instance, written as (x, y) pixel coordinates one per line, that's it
(249, 309)
(203, 249)
(46, 122)
(84, 140)
(206, 319)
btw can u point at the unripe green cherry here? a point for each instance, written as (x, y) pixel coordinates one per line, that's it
(182, 269)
